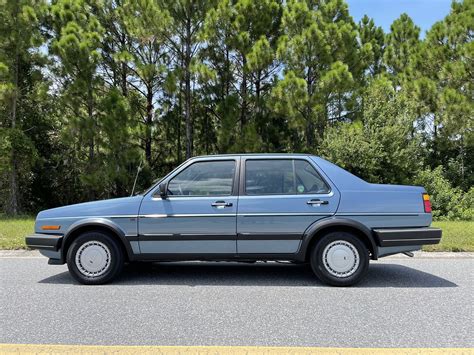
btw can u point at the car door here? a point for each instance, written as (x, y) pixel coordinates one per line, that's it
(280, 198)
(198, 216)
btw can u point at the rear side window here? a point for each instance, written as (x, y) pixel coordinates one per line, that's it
(212, 178)
(282, 176)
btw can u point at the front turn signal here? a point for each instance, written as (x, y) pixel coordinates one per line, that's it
(50, 228)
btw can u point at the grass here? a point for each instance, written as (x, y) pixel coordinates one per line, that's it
(14, 230)
(457, 236)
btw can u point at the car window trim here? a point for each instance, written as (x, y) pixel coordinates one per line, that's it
(243, 191)
(182, 167)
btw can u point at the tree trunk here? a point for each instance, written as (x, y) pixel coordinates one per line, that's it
(257, 92)
(149, 122)
(258, 84)
(243, 94)
(260, 123)
(90, 114)
(309, 112)
(124, 80)
(435, 138)
(309, 133)
(187, 92)
(124, 71)
(227, 69)
(180, 108)
(13, 206)
(178, 120)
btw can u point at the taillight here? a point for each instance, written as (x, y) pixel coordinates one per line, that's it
(427, 203)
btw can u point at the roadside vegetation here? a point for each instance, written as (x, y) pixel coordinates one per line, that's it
(92, 90)
(457, 235)
(13, 231)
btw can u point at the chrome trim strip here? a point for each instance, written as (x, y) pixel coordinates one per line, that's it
(187, 215)
(375, 214)
(182, 238)
(182, 234)
(404, 230)
(264, 214)
(80, 217)
(207, 234)
(271, 233)
(409, 240)
(181, 215)
(234, 215)
(191, 197)
(281, 195)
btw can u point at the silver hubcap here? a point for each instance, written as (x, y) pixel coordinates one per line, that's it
(93, 258)
(341, 258)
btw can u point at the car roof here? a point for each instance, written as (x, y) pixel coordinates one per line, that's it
(253, 155)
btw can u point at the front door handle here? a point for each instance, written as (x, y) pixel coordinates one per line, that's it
(317, 202)
(221, 204)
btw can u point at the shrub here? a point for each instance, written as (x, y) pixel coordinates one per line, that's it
(379, 147)
(448, 202)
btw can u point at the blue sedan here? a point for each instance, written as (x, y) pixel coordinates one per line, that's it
(243, 207)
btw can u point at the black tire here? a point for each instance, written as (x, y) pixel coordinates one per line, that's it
(356, 249)
(114, 260)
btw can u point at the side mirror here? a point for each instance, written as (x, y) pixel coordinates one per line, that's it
(163, 187)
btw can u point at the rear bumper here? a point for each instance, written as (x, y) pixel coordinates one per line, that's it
(51, 242)
(407, 236)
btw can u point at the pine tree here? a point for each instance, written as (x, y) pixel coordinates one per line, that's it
(321, 56)
(76, 43)
(20, 30)
(247, 32)
(402, 44)
(444, 86)
(146, 59)
(372, 39)
(184, 42)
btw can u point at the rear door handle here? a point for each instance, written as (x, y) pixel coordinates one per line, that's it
(221, 204)
(317, 202)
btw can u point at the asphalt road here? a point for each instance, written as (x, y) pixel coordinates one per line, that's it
(403, 302)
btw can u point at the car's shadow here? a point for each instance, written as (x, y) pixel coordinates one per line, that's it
(257, 274)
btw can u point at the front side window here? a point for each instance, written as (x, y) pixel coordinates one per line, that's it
(282, 176)
(207, 178)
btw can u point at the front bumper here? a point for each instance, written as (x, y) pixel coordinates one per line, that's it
(391, 237)
(50, 242)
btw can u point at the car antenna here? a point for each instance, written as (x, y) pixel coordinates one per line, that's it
(136, 177)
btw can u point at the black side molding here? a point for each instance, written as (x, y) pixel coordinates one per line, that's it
(44, 241)
(336, 222)
(408, 236)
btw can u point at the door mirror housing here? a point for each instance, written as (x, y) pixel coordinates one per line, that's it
(163, 188)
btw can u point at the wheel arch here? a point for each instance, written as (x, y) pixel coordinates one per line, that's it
(322, 227)
(97, 224)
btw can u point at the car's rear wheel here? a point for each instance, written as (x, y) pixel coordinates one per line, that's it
(340, 259)
(94, 258)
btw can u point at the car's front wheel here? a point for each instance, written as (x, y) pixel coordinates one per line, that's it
(94, 258)
(340, 259)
